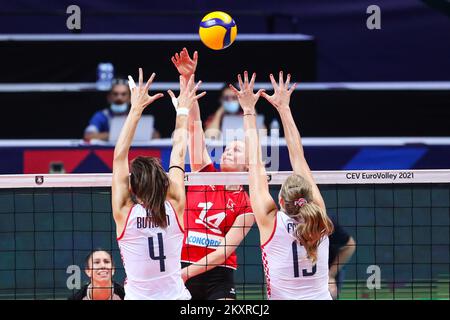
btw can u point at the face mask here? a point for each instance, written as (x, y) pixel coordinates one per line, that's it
(119, 108)
(231, 106)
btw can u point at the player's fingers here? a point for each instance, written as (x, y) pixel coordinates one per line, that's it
(293, 87)
(236, 91)
(197, 86)
(288, 80)
(265, 95)
(252, 80)
(150, 81)
(195, 56)
(280, 80)
(186, 52)
(173, 98)
(174, 61)
(171, 94)
(141, 77)
(241, 84)
(183, 53)
(274, 83)
(157, 96)
(131, 83)
(200, 95)
(260, 91)
(245, 77)
(269, 98)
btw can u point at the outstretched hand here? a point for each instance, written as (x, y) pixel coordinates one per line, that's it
(247, 99)
(282, 93)
(187, 95)
(139, 94)
(184, 64)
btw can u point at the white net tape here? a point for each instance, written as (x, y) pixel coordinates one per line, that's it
(233, 178)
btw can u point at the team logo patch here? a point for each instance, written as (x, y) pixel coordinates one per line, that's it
(230, 205)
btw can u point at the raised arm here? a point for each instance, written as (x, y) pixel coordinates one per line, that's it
(120, 196)
(263, 205)
(280, 99)
(183, 104)
(198, 153)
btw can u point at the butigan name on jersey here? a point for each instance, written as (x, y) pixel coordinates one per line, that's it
(147, 222)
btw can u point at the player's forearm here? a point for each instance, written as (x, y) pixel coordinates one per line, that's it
(342, 258)
(208, 262)
(179, 141)
(253, 148)
(252, 145)
(197, 145)
(293, 139)
(194, 115)
(257, 171)
(126, 135)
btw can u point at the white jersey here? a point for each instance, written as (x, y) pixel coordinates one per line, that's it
(151, 257)
(290, 275)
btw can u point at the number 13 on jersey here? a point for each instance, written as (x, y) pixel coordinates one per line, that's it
(305, 272)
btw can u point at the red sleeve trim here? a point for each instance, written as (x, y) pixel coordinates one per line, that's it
(176, 217)
(273, 232)
(126, 223)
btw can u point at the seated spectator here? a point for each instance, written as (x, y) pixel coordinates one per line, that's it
(119, 100)
(229, 107)
(341, 249)
(99, 267)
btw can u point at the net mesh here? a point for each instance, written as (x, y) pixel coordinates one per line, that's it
(402, 228)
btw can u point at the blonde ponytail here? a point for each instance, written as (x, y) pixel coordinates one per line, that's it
(313, 222)
(313, 225)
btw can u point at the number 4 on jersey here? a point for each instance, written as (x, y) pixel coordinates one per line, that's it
(151, 250)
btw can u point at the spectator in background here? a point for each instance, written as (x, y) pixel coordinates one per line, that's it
(229, 105)
(342, 247)
(99, 266)
(119, 101)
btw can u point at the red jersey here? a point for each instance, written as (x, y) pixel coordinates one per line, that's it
(210, 212)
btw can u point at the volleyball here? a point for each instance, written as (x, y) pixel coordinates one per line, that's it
(217, 30)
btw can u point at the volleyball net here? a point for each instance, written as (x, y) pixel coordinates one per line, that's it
(399, 220)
